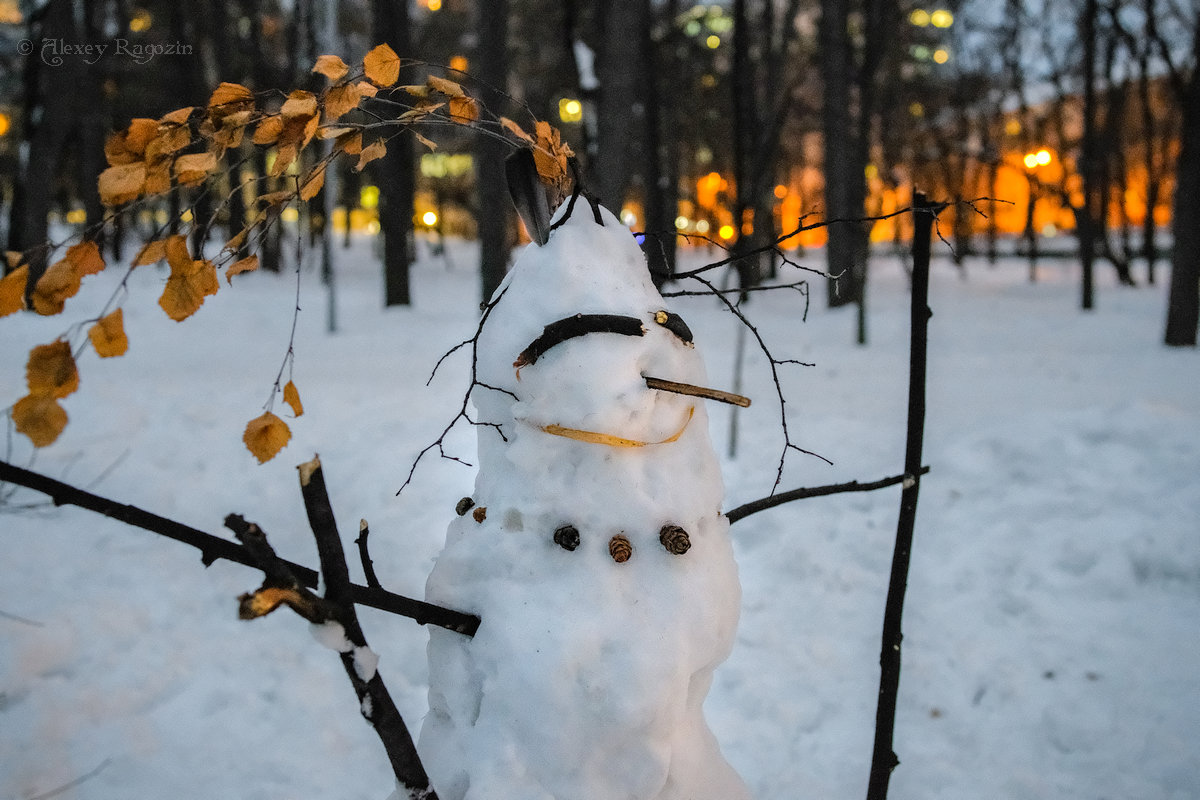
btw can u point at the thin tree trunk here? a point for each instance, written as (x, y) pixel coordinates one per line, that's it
(1183, 305)
(394, 174)
(1084, 216)
(492, 197)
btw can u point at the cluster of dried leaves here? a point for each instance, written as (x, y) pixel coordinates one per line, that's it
(187, 148)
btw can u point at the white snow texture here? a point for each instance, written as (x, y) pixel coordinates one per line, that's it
(587, 676)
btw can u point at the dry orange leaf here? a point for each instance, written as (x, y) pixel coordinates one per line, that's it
(312, 183)
(108, 335)
(13, 258)
(170, 139)
(432, 145)
(175, 248)
(464, 109)
(51, 370)
(187, 287)
(367, 89)
(178, 116)
(341, 100)
(516, 130)
(265, 436)
(291, 396)
(122, 183)
(39, 417)
(376, 149)
(158, 178)
(382, 66)
(230, 98)
(247, 264)
(127, 146)
(349, 143)
(194, 168)
(12, 290)
(299, 104)
(331, 67)
(86, 258)
(268, 130)
(446, 87)
(151, 253)
(57, 283)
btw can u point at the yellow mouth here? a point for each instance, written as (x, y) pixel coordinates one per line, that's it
(594, 437)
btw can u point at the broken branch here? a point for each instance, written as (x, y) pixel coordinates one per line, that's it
(697, 391)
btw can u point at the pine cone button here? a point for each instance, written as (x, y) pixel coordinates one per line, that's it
(675, 539)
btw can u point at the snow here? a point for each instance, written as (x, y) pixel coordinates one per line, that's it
(1050, 629)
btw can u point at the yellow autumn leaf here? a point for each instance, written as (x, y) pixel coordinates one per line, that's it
(464, 109)
(194, 168)
(122, 183)
(57, 283)
(127, 146)
(299, 104)
(247, 264)
(268, 130)
(446, 87)
(382, 66)
(349, 143)
(331, 67)
(108, 335)
(12, 290)
(158, 178)
(39, 417)
(312, 183)
(175, 249)
(516, 130)
(376, 149)
(291, 396)
(51, 370)
(341, 100)
(187, 287)
(151, 252)
(177, 117)
(229, 93)
(86, 258)
(265, 436)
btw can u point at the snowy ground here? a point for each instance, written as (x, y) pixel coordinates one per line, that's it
(1051, 627)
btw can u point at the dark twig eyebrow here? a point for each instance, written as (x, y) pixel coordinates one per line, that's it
(578, 325)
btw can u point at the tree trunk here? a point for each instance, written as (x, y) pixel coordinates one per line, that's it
(839, 152)
(50, 100)
(490, 186)
(394, 174)
(1084, 217)
(1183, 307)
(619, 69)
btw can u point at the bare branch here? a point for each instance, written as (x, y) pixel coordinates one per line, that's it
(771, 501)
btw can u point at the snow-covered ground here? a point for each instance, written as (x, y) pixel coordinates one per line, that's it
(1053, 621)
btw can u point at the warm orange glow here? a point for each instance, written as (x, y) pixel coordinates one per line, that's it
(780, 191)
(5, 124)
(1031, 161)
(459, 63)
(1042, 157)
(726, 232)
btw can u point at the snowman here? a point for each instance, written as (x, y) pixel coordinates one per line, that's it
(593, 547)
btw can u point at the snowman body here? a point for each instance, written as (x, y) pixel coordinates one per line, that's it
(599, 638)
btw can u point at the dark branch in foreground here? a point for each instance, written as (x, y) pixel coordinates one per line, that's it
(762, 504)
(374, 700)
(883, 756)
(214, 548)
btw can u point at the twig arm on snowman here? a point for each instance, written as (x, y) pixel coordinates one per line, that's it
(762, 504)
